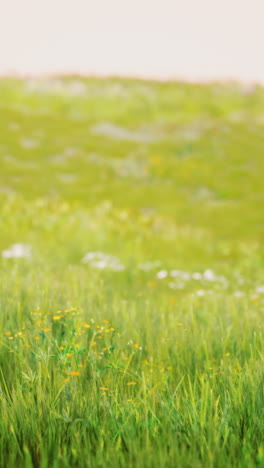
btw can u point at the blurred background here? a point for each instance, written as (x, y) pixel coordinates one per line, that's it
(194, 40)
(179, 152)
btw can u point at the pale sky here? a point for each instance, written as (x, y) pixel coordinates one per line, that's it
(191, 39)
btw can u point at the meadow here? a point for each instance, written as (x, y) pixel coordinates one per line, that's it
(132, 281)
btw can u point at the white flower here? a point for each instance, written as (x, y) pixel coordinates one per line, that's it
(260, 289)
(185, 276)
(103, 261)
(101, 264)
(162, 274)
(197, 276)
(175, 273)
(17, 251)
(200, 293)
(209, 275)
(238, 294)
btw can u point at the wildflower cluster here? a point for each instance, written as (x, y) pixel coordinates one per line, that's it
(77, 347)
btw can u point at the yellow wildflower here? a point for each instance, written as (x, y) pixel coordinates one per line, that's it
(86, 325)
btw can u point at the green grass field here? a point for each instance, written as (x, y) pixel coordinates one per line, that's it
(132, 281)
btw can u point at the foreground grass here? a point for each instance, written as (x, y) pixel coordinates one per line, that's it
(156, 357)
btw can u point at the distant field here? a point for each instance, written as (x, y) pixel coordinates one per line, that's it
(132, 281)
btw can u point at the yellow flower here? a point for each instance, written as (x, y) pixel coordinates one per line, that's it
(86, 325)
(39, 322)
(56, 317)
(74, 373)
(132, 383)
(103, 388)
(66, 380)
